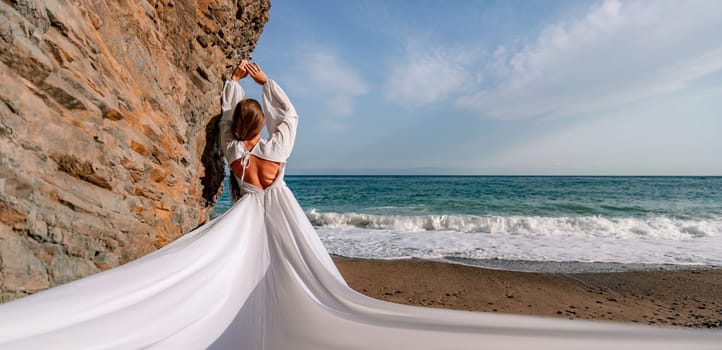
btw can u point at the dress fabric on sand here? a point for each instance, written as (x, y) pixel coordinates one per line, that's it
(258, 277)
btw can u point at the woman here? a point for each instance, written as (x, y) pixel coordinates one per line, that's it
(257, 161)
(258, 277)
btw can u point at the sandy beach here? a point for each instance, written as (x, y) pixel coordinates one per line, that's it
(689, 298)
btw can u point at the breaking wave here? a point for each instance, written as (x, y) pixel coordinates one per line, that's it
(653, 227)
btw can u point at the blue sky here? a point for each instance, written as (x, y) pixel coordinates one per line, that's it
(500, 87)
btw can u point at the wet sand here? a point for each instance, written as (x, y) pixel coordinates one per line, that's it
(690, 298)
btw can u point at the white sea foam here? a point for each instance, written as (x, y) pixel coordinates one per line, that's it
(653, 240)
(658, 227)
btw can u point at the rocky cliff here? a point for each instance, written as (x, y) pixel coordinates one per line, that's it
(108, 112)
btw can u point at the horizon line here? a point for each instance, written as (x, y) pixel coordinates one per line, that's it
(508, 175)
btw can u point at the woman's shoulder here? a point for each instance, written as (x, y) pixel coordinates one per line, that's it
(269, 150)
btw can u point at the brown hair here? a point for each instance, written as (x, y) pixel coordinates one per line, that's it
(248, 121)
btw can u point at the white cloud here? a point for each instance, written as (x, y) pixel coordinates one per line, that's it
(619, 52)
(428, 76)
(322, 75)
(326, 72)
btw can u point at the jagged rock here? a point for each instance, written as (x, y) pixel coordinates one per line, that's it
(106, 110)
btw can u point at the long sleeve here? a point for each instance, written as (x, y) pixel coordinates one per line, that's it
(281, 119)
(232, 94)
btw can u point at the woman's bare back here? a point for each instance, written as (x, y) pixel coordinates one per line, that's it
(260, 172)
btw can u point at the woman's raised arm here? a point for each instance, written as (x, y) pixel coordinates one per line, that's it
(281, 117)
(232, 91)
(232, 94)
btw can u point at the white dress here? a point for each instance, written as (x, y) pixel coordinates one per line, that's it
(258, 277)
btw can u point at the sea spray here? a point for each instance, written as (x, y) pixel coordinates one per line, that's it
(658, 227)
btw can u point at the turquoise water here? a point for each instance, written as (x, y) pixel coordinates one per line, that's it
(679, 197)
(661, 220)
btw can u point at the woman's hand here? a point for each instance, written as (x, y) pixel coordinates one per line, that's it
(241, 71)
(256, 73)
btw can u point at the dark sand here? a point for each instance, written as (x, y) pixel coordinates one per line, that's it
(691, 298)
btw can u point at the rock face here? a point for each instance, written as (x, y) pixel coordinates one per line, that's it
(108, 123)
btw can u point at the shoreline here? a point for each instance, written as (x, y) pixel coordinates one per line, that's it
(568, 266)
(685, 297)
(548, 266)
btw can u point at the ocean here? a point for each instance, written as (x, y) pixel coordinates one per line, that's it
(518, 222)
